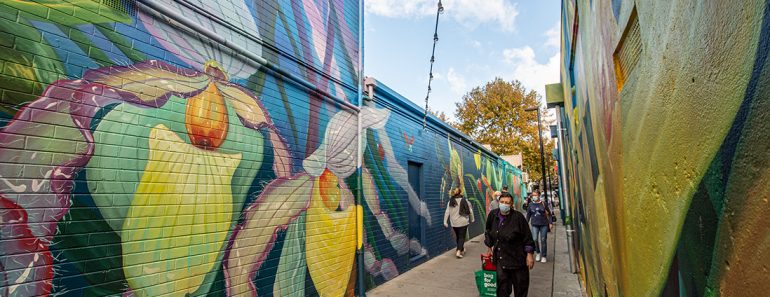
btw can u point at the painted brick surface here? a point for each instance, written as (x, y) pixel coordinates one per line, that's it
(667, 167)
(139, 156)
(447, 160)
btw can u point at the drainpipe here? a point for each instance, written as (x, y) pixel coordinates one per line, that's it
(565, 199)
(360, 215)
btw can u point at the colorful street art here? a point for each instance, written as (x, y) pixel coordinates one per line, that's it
(447, 160)
(667, 168)
(143, 156)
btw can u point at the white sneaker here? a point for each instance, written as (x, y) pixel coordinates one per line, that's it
(537, 257)
(544, 260)
(458, 254)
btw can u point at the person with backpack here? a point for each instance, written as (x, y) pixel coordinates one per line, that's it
(539, 216)
(527, 202)
(460, 215)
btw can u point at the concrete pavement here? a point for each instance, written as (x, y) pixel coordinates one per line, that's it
(445, 275)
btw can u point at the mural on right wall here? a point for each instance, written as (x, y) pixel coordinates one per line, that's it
(667, 158)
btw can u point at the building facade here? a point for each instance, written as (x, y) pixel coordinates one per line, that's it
(223, 148)
(664, 119)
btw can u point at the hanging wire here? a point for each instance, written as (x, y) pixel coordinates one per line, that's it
(432, 59)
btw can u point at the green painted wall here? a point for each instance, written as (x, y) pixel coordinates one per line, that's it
(669, 173)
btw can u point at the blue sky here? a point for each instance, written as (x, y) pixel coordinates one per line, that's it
(478, 41)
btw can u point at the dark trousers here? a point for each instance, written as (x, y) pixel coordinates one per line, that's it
(516, 278)
(460, 234)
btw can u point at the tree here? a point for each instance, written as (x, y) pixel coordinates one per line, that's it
(494, 114)
(444, 118)
(440, 115)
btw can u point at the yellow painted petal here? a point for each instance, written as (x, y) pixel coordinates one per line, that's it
(252, 113)
(149, 80)
(179, 217)
(330, 245)
(360, 225)
(666, 148)
(456, 167)
(245, 105)
(281, 155)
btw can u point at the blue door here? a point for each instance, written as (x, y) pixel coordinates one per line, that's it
(416, 223)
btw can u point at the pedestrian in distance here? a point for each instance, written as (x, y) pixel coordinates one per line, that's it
(460, 215)
(527, 202)
(539, 217)
(510, 244)
(495, 201)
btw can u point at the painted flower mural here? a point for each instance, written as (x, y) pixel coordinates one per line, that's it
(322, 199)
(453, 171)
(193, 49)
(140, 157)
(186, 120)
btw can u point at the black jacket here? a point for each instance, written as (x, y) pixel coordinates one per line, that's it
(510, 239)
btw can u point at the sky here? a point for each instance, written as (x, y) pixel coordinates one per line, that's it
(478, 41)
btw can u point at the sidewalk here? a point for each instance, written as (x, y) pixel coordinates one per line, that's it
(445, 275)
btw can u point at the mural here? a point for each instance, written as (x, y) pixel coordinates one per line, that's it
(446, 160)
(667, 174)
(144, 156)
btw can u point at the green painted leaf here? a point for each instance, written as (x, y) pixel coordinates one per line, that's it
(292, 268)
(88, 243)
(29, 65)
(73, 12)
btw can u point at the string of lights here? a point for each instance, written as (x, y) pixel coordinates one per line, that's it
(432, 59)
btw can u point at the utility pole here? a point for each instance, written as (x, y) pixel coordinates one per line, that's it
(547, 188)
(542, 156)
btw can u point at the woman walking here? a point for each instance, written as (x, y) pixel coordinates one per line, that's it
(460, 214)
(539, 216)
(510, 243)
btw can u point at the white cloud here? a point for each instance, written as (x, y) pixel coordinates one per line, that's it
(533, 75)
(521, 53)
(456, 82)
(400, 8)
(470, 13)
(554, 36)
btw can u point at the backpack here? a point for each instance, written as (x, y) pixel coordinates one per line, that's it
(464, 209)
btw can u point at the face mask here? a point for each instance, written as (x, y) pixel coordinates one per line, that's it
(505, 208)
(537, 199)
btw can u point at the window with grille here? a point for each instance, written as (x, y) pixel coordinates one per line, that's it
(629, 49)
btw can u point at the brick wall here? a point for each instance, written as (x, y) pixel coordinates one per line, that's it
(446, 159)
(210, 148)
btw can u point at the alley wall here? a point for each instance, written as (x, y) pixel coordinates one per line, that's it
(665, 117)
(155, 148)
